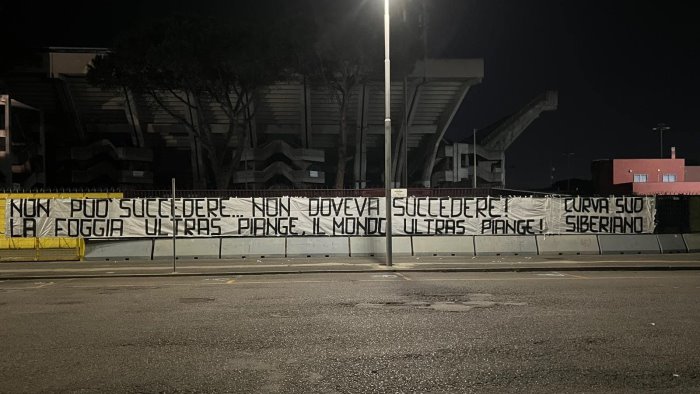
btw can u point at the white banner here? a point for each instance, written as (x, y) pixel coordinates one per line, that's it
(302, 216)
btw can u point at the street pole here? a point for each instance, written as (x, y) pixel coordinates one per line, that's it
(172, 218)
(474, 152)
(387, 134)
(661, 127)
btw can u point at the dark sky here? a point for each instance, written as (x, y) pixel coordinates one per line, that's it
(620, 68)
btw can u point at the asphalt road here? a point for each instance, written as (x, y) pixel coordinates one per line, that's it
(364, 332)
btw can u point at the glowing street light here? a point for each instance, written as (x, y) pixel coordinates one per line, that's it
(387, 134)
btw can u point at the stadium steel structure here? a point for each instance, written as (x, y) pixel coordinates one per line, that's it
(122, 139)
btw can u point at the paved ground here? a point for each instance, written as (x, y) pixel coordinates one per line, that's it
(47, 270)
(354, 332)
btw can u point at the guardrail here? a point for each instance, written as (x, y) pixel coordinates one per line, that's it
(266, 247)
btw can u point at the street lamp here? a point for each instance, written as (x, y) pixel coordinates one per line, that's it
(661, 127)
(387, 134)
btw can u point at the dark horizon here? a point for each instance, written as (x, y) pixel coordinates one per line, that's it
(620, 69)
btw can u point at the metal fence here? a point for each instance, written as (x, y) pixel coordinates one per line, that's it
(677, 214)
(247, 193)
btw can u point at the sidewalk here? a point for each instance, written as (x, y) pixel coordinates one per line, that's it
(92, 269)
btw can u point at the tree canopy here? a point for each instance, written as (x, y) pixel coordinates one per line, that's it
(199, 61)
(335, 44)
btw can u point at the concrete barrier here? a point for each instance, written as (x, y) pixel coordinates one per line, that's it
(318, 247)
(628, 243)
(457, 245)
(567, 244)
(692, 242)
(187, 248)
(253, 247)
(376, 246)
(497, 245)
(138, 249)
(671, 243)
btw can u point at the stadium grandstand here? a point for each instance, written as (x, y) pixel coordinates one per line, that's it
(58, 130)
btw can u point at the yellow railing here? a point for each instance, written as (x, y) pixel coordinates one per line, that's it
(43, 249)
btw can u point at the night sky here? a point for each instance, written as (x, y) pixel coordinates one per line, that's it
(620, 68)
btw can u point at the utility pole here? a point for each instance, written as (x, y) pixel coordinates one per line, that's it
(474, 153)
(661, 127)
(387, 134)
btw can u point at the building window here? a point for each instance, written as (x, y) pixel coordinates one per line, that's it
(640, 178)
(465, 161)
(669, 177)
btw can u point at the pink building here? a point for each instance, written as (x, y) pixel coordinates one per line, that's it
(646, 176)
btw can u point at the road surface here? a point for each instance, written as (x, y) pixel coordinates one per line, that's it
(354, 332)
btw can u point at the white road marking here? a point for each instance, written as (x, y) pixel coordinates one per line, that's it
(404, 276)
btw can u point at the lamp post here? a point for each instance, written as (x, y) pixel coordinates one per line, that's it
(387, 134)
(474, 154)
(661, 127)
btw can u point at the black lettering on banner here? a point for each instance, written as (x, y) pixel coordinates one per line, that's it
(431, 228)
(492, 208)
(410, 226)
(271, 206)
(268, 226)
(215, 227)
(163, 211)
(316, 227)
(190, 225)
(356, 226)
(89, 208)
(124, 208)
(629, 204)
(604, 224)
(293, 227)
(117, 228)
(373, 208)
(243, 225)
(27, 226)
(508, 226)
(344, 216)
(223, 208)
(143, 208)
(397, 203)
(194, 208)
(459, 211)
(88, 227)
(482, 205)
(30, 207)
(204, 226)
(587, 204)
(448, 226)
(338, 227)
(214, 208)
(431, 212)
(154, 227)
(313, 207)
(345, 206)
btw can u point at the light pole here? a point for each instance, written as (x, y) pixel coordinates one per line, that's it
(661, 127)
(387, 134)
(474, 154)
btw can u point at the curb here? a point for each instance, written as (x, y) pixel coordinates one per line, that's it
(297, 272)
